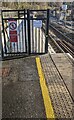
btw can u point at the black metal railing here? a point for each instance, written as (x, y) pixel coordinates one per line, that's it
(31, 39)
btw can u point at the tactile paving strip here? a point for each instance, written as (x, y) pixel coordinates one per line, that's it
(60, 98)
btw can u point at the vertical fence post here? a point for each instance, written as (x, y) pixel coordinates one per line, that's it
(18, 14)
(3, 33)
(47, 30)
(1, 46)
(25, 29)
(29, 42)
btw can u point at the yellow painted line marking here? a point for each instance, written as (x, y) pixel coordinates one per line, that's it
(45, 93)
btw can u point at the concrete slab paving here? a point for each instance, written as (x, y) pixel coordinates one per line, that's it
(65, 67)
(21, 92)
(60, 98)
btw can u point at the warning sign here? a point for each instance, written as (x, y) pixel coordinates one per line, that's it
(13, 38)
(13, 26)
(13, 30)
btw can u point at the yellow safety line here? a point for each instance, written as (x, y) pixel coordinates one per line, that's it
(45, 93)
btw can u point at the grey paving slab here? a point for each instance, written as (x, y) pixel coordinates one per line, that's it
(22, 100)
(61, 100)
(65, 67)
(21, 92)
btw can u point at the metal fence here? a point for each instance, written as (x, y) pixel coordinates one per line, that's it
(22, 32)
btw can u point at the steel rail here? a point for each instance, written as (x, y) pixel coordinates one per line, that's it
(60, 34)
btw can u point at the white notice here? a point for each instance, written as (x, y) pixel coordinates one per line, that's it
(37, 23)
(64, 7)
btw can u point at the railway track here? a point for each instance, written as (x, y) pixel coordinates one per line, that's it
(58, 49)
(59, 42)
(63, 41)
(64, 29)
(61, 35)
(53, 42)
(65, 47)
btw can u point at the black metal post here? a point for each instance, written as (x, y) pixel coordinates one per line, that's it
(1, 46)
(25, 29)
(3, 33)
(18, 14)
(47, 30)
(29, 42)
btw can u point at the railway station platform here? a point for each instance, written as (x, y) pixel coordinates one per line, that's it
(37, 87)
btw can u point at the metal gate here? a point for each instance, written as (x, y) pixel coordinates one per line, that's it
(24, 32)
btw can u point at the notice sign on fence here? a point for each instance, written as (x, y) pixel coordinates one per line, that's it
(13, 30)
(37, 23)
(64, 7)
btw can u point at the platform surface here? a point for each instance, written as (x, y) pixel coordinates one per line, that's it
(61, 100)
(65, 67)
(21, 91)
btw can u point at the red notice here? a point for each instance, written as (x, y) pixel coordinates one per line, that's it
(13, 38)
(13, 30)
